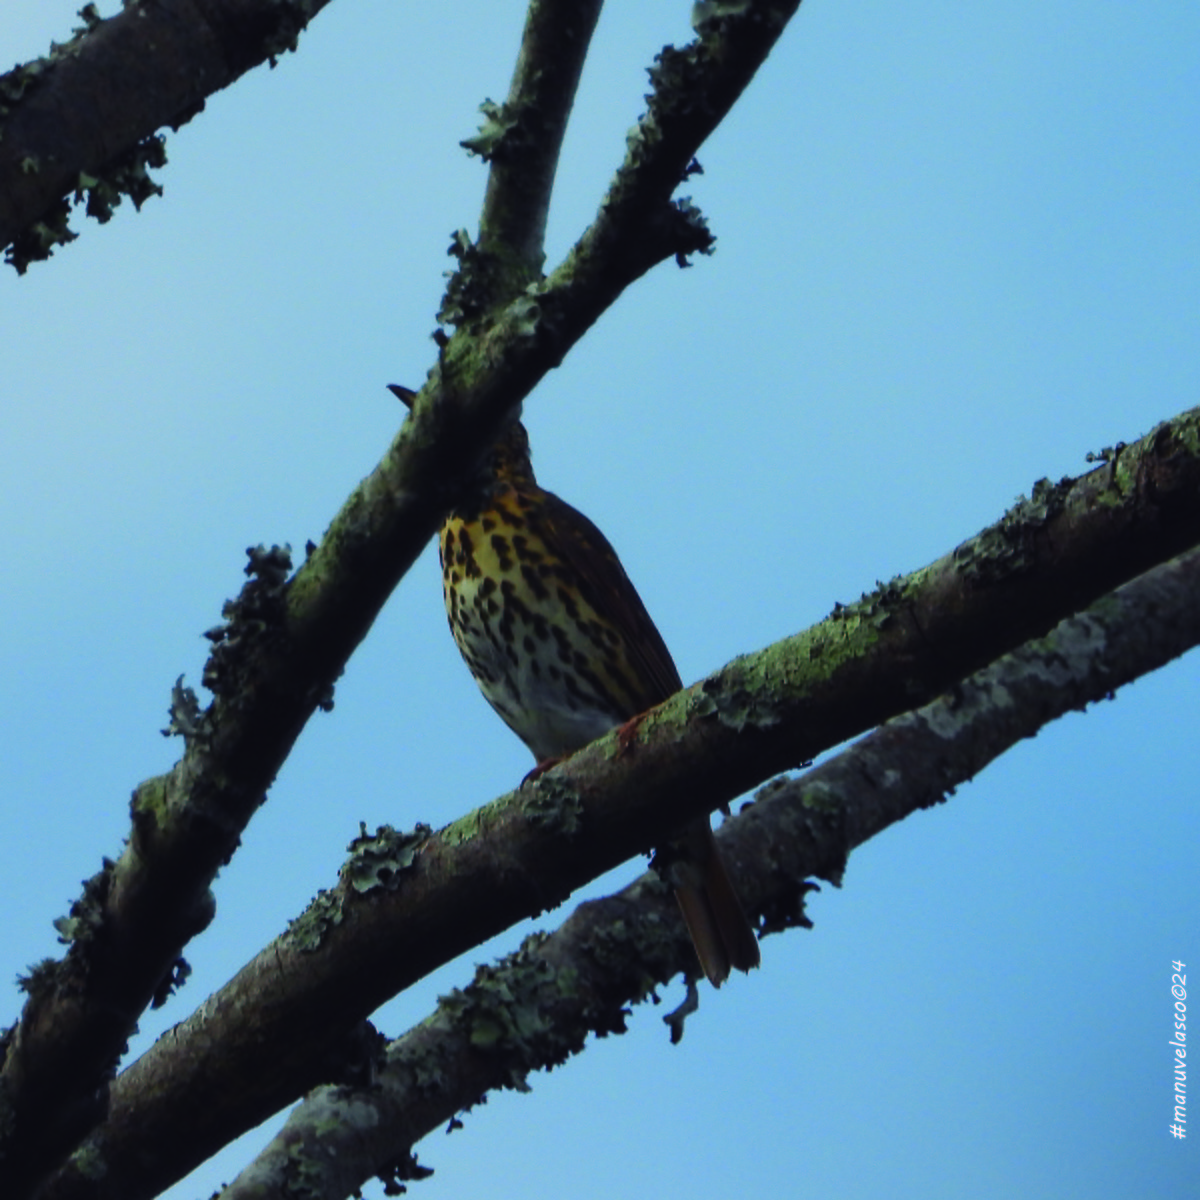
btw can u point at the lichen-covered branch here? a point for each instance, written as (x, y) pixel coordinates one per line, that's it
(505, 342)
(287, 640)
(407, 904)
(522, 137)
(536, 1008)
(81, 122)
(638, 224)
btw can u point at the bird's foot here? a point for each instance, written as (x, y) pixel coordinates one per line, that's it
(627, 733)
(543, 767)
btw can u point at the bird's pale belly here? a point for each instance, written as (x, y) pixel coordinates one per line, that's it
(536, 673)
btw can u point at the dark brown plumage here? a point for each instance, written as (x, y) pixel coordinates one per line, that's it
(563, 649)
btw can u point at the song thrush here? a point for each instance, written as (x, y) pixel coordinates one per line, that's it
(563, 649)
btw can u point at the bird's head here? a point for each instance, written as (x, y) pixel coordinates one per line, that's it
(509, 459)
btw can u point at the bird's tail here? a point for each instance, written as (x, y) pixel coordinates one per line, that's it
(711, 910)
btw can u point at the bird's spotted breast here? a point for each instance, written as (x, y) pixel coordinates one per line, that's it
(542, 656)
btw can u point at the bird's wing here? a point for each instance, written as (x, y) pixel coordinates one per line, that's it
(587, 554)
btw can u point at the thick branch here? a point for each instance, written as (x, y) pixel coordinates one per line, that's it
(73, 122)
(288, 640)
(404, 907)
(538, 1005)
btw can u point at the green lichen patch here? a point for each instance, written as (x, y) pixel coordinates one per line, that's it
(506, 1011)
(380, 859)
(499, 122)
(86, 917)
(253, 620)
(552, 803)
(308, 930)
(1009, 547)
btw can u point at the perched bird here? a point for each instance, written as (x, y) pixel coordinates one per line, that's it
(563, 649)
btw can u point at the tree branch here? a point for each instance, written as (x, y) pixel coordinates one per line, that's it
(536, 1007)
(287, 640)
(81, 120)
(404, 906)
(522, 137)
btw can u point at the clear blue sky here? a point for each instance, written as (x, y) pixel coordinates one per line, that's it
(957, 250)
